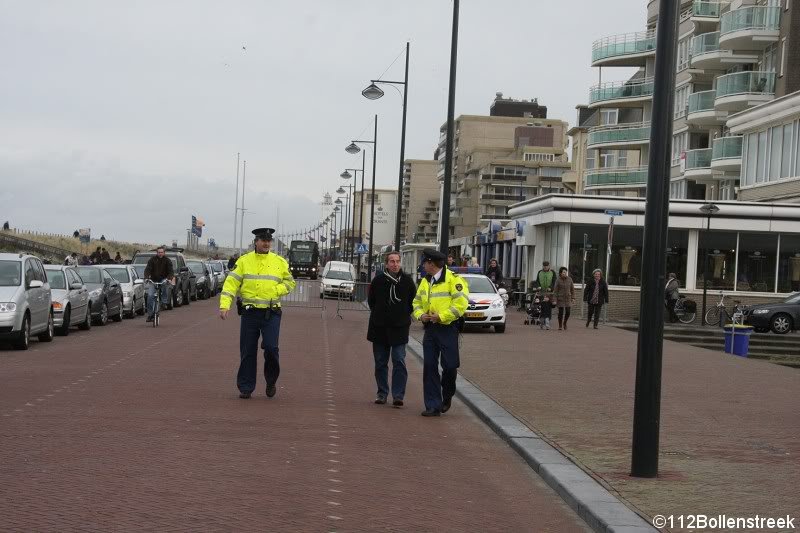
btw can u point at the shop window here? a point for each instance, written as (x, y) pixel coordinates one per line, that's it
(677, 253)
(582, 264)
(626, 257)
(721, 248)
(789, 264)
(756, 270)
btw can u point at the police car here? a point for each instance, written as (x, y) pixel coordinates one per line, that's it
(486, 306)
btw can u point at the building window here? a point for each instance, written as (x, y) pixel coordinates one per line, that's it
(678, 147)
(789, 264)
(591, 159)
(756, 269)
(539, 157)
(681, 99)
(769, 60)
(761, 163)
(721, 247)
(582, 264)
(677, 253)
(683, 54)
(608, 158)
(775, 149)
(609, 117)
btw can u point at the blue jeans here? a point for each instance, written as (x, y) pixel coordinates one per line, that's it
(151, 298)
(257, 323)
(399, 372)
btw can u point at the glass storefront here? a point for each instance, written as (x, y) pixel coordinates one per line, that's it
(789, 263)
(625, 267)
(721, 249)
(595, 257)
(756, 268)
(677, 253)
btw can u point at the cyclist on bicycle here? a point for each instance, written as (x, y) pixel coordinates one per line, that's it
(671, 295)
(158, 269)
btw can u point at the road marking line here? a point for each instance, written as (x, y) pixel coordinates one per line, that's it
(332, 517)
(334, 503)
(333, 461)
(333, 480)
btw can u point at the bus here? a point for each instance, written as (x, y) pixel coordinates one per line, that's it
(304, 259)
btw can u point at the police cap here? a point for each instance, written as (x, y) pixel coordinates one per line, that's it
(265, 234)
(429, 254)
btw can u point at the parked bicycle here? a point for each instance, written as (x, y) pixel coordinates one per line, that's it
(685, 310)
(713, 314)
(157, 295)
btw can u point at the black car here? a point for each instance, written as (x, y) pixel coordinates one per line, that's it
(140, 272)
(780, 317)
(184, 288)
(202, 275)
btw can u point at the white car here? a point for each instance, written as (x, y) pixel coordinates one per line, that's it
(70, 299)
(337, 283)
(25, 300)
(486, 305)
(132, 289)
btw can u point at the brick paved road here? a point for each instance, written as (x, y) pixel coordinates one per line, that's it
(130, 428)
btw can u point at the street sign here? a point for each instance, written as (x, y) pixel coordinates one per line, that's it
(361, 248)
(613, 213)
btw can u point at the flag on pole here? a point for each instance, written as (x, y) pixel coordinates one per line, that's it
(197, 226)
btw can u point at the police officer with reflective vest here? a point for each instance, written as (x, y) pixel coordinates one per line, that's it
(441, 300)
(261, 278)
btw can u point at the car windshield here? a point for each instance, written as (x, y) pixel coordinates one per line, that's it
(301, 257)
(90, 274)
(216, 267)
(139, 270)
(339, 274)
(480, 285)
(10, 273)
(196, 267)
(793, 298)
(143, 259)
(56, 279)
(119, 274)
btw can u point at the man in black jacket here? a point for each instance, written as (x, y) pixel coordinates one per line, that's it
(390, 300)
(159, 268)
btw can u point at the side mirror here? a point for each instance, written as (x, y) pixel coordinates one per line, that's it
(35, 284)
(76, 286)
(138, 282)
(184, 269)
(502, 291)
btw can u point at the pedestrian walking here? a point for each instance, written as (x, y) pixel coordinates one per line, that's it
(671, 295)
(546, 313)
(564, 295)
(262, 278)
(494, 272)
(595, 294)
(546, 278)
(71, 259)
(391, 296)
(441, 300)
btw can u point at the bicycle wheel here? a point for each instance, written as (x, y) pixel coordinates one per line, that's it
(712, 316)
(687, 318)
(155, 319)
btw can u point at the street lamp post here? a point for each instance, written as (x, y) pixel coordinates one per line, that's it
(373, 92)
(353, 148)
(348, 229)
(708, 210)
(346, 175)
(444, 236)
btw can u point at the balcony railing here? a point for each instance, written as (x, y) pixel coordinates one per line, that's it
(696, 159)
(705, 43)
(623, 45)
(758, 82)
(706, 9)
(619, 133)
(702, 101)
(616, 176)
(751, 18)
(621, 90)
(503, 177)
(727, 148)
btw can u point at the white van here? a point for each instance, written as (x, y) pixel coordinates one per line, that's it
(338, 280)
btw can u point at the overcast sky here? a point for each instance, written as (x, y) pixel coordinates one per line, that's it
(126, 117)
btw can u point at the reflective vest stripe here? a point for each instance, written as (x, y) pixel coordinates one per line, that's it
(260, 302)
(455, 312)
(229, 295)
(263, 276)
(234, 275)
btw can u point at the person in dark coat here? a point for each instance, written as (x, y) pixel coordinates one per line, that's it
(494, 272)
(595, 294)
(391, 296)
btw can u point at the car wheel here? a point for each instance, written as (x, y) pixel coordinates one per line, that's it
(133, 310)
(500, 328)
(170, 301)
(177, 298)
(49, 333)
(142, 308)
(87, 323)
(102, 319)
(63, 331)
(781, 323)
(118, 316)
(24, 340)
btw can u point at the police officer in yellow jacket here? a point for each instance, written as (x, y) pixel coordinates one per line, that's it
(441, 300)
(260, 278)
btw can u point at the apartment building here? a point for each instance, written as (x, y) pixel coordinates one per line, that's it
(731, 56)
(420, 216)
(516, 146)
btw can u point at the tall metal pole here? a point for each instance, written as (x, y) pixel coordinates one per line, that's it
(241, 229)
(398, 218)
(647, 404)
(372, 203)
(236, 209)
(348, 228)
(444, 236)
(361, 210)
(705, 272)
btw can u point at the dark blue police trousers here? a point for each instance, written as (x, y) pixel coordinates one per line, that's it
(440, 343)
(266, 324)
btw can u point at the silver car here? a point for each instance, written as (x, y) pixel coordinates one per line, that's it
(105, 294)
(25, 304)
(132, 289)
(213, 279)
(219, 269)
(70, 299)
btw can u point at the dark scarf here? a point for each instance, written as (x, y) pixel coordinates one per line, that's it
(393, 299)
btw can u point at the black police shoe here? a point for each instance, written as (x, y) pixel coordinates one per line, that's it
(446, 404)
(431, 412)
(244, 395)
(380, 400)
(271, 390)
(397, 403)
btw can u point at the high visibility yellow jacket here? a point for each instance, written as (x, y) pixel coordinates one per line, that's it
(260, 278)
(448, 297)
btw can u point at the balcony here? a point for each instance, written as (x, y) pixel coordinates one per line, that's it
(750, 28)
(706, 53)
(618, 178)
(698, 164)
(706, 12)
(701, 111)
(626, 50)
(621, 94)
(619, 135)
(740, 90)
(727, 154)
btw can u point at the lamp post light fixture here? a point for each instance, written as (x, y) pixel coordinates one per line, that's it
(373, 92)
(348, 227)
(346, 176)
(353, 148)
(709, 210)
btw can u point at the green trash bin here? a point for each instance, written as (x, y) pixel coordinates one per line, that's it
(737, 339)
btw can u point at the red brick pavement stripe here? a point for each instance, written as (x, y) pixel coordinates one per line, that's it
(129, 428)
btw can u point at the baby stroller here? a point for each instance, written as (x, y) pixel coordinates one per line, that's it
(533, 307)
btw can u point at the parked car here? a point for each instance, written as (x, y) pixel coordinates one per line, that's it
(220, 271)
(182, 291)
(203, 276)
(139, 269)
(132, 289)
(105, 294)
(25, 300)
(213, 280)
(486, 305)
(70, 299)
(338, 280)
(780, 317)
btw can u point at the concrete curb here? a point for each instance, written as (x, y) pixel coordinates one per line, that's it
(600, 509)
